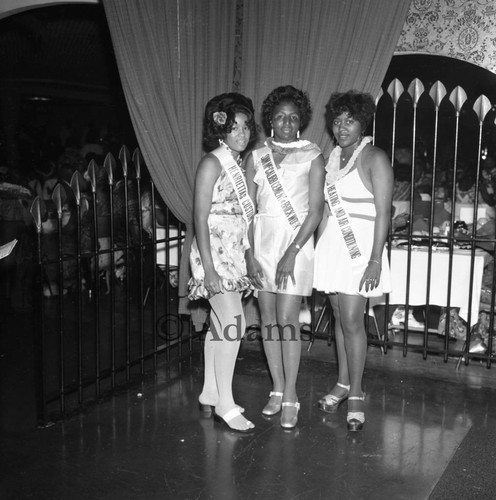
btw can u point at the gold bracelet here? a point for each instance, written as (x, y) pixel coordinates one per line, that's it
(376, 261)
(297, 246)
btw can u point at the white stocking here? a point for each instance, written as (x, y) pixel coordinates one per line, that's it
(228, 325)
(210, 393)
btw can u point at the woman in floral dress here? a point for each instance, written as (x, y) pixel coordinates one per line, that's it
(222, 212)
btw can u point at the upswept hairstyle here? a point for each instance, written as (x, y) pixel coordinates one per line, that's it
(226, 106)
(359, 105)
(286, 93)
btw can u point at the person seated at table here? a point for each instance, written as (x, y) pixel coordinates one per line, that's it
(403, 175)
(70, 160)
(487, 186)
(402, 188)
(465, 182)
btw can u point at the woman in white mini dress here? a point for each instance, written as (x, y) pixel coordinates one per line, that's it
(285, 179)
(351, 263)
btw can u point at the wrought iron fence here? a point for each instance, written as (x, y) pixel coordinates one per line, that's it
(108, 253)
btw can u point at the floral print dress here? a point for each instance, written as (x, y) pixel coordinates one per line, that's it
(228, 242)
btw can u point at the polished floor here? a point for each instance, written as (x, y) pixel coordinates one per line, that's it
(430, 434)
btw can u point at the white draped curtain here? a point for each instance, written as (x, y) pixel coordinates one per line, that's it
(174, 55)
(320, 46)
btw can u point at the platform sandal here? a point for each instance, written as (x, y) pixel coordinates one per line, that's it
(355, 419)
(330, 403)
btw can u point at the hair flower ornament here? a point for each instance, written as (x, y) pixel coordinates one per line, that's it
(220, 117)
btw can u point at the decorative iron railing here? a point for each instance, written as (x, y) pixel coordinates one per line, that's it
(108, 253)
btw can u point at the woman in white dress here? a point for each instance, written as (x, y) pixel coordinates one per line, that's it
(285, 180)
(351, 262)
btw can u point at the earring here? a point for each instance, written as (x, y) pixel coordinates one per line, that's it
(272, 132)
(298, 134)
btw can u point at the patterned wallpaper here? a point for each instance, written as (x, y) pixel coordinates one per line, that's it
(461, 29)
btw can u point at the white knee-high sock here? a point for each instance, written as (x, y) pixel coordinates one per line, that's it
(228, 327)
(210, 392)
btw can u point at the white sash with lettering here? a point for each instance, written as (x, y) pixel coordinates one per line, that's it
(270, 170)
(237, 178)
(343, 221)
(335, 203)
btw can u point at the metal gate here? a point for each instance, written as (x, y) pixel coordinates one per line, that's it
(108, 253)
(441, 242)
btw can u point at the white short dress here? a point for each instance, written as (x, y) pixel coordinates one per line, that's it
(333, 270)
(272, 231)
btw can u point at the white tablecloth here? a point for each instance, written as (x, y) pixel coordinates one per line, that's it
(460, 279)
(173, 258)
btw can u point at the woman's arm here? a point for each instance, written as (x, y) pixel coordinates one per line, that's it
(285, 267)
(253, 267)
(207, 174)
(380, 174)
(323, 223)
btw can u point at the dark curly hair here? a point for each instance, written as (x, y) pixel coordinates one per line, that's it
(359, 105)
(286, 93)
(230, 103)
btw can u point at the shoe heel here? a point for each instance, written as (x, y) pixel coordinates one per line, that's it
(330, 403)
(355, 419)
(205, 409)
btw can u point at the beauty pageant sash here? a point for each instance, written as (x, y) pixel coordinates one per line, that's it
(270, 170)
(342, 218)
(237, 178)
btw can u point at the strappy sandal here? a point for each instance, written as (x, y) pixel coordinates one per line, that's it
(231, 415)
(207, 409)
(330, 403)
(355, 419)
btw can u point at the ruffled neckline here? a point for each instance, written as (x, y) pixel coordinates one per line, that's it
(290, 147)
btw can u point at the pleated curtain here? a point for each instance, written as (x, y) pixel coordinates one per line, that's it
(174, 55)
(320, 46)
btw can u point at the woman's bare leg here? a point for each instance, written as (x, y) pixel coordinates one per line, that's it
(343, 375)
(351, 319)
(288, 312)
(271, 340)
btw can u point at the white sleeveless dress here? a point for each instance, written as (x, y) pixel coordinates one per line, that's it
(333, 267)
(272, 232)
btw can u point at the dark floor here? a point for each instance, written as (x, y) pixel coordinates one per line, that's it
(430, 433)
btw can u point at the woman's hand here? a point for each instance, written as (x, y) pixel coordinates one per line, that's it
(285, 268)
(255, 272)
(212, 282)
(371, 276)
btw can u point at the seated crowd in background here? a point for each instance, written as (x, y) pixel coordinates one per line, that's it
(442, 207)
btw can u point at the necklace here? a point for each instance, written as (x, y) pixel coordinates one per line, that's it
(334, 172)
(286, 148)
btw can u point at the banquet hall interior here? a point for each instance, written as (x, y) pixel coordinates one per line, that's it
(101, 356)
